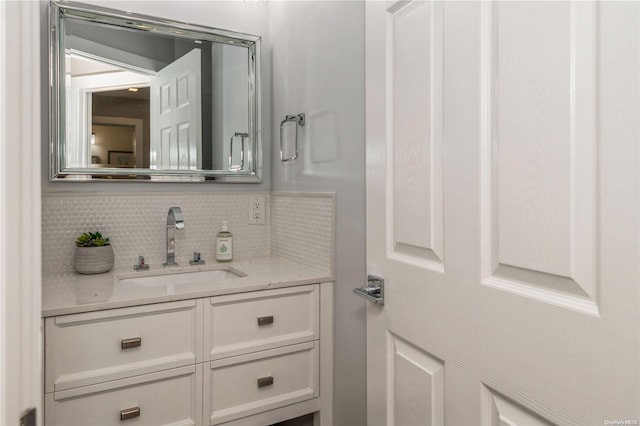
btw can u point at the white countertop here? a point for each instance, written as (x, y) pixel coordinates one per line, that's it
(69, 293)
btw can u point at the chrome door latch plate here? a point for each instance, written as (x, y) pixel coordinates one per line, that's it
(374, 291)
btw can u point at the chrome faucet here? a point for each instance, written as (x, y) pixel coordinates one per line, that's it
(174, 221)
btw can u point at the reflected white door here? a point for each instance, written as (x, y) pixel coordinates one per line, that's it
(176, 115)
(503, 190)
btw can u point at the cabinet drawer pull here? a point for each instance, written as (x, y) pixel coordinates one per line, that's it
(265, 320)
(133, 342)
(129, 413)
(265, 381)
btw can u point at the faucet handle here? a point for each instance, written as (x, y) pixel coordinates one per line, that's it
(141, 266)
(197, 260)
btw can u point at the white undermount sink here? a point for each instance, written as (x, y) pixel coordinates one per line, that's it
(180, 276)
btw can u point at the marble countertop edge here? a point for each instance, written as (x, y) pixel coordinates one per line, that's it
(71, 293)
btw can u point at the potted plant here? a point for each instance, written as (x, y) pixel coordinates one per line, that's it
(93, 255)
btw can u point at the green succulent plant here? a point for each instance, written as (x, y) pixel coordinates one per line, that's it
(92, 239)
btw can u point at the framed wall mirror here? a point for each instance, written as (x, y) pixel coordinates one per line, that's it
(141, 98)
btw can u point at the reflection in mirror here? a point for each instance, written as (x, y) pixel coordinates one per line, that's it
(138, 98)
(118, 102)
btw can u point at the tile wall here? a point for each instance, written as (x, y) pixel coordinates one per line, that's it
(302, 228)
(298, 226)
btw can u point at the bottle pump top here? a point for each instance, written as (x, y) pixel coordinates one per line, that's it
(224, 228)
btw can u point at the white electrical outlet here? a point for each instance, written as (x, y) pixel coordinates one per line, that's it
(257, 208)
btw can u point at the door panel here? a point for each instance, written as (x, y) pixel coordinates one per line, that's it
(415, 115)
(540, 143)
(503, 211)
(500, 411)
(176, 119)
(415, 124)
(417, 391)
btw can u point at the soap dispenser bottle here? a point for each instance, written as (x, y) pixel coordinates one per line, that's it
(224, 244)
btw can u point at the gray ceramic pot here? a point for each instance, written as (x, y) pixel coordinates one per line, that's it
(93, 260)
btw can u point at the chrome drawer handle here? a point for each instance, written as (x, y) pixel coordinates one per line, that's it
(265, 381)
(129, 413)
(265, 320)
(133, 342)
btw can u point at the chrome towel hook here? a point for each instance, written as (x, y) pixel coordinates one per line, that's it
(299, 120)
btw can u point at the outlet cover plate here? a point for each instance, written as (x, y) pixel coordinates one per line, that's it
(257, 209)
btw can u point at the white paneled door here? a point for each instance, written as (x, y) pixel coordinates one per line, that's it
(503, 212)
(176, 114)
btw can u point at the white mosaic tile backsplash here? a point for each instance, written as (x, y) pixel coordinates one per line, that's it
(135, 225)
(302, 229)
(298, 227)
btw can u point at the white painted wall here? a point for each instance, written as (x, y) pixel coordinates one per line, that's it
(230, 15)
(318, 69)
(20, 294)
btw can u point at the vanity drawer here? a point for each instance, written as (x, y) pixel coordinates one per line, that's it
(162, 398)
(89, 348)
(248, 322)
(249, 384)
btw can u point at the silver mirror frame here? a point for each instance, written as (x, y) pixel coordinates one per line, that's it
(57, 106)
